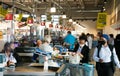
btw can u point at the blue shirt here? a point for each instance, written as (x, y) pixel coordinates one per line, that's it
(70, 39)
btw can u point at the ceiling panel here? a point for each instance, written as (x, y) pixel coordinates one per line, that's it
(72, 8)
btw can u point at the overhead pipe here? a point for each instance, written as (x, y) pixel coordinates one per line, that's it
(57, 4)
(88, 11)
(81, 2)
(66, 1)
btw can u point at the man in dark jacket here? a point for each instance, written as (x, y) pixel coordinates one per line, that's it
(83, 49)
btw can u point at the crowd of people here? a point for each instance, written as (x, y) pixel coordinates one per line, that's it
(90, 47)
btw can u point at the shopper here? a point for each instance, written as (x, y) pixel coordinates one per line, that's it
(83, 49)
(111, 40)
(105, 57)
(117, 45)
(94, 45)
(99, 36)
(10, 59)
(69, 41)
(89, 39)
(9, 36)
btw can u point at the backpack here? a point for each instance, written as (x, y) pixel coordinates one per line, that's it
(112, 57)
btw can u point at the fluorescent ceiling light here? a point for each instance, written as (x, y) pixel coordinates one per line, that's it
(53, 9)
(70, 20)
(24, 15)
(88, 11)
(63, 16)
(74, 22)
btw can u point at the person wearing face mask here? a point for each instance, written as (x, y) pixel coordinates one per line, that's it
(83, 49)
(105, 55)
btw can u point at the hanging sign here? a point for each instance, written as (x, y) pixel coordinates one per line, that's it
(42, 23)
(3, 11)
(21, 24)
(30, 20)
(9, 16)
(20, 17)
(50, 25)
(101, 20)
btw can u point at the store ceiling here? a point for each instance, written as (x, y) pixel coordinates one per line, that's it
(76, 9)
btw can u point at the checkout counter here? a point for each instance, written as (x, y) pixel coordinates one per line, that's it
(36, 69)
(28, 70)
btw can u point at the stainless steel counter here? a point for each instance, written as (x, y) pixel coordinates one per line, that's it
(28, 70)
(29, 73)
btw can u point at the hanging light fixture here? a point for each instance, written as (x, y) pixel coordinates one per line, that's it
(74, 23)
(64, 15)
(105, 1)
(70, 20)
(52, 9)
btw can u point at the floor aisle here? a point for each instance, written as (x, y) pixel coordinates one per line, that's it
(117, 72)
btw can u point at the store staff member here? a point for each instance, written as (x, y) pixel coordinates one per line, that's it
(104, 64)
(82, 49)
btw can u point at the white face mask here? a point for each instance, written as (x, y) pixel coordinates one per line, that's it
(81, 45)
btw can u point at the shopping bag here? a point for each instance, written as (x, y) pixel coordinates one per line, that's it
(74, 59)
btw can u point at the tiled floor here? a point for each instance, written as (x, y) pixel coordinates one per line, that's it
(117, 72)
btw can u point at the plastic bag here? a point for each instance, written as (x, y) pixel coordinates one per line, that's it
(74, 59)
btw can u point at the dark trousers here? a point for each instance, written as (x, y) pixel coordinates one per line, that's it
(104, 69)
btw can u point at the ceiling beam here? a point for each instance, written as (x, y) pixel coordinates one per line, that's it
(57, 4)
(83, 18)
(96, 2)
(81, 2)
(88, 11)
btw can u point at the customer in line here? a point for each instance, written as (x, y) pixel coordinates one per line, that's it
(111, 40)
(10, 59)
(105, 57)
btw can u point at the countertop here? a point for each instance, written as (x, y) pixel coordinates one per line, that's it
(29, 69)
